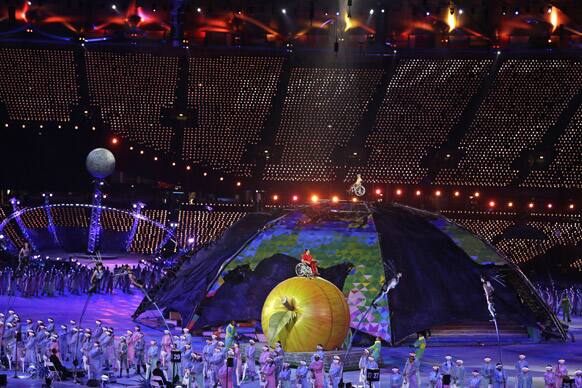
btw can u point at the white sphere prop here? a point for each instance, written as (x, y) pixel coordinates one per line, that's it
(100, 163)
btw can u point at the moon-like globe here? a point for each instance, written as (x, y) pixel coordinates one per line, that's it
(100, 163)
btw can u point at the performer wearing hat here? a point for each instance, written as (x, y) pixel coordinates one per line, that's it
(363, 365)
(268, 374)
(524, 380)
(487, 370)
(549, 377)
(316, 368)
(459, 374)
(396, 379)
(435, 379)
(561, 372)
(335, 372)
(122, 356)
(412, 371)
(499, 377)
(250, 369)
(476, 380)
(285, 376)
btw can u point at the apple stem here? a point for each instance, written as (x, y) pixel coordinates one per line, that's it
(287, 304)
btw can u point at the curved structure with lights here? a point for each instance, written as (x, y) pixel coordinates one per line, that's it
(64, 228)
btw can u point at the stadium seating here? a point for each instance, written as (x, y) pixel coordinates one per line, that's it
(322, 109)
(565, 170)
(131, 90)
(116, 221)
(233, 97)
(12, 231)
(71, 216)
(424, 100)
(35, 218)
(204, 226)
(565, 231)
(487, 229)
(524, 102)
(148, 236)
(38, 85)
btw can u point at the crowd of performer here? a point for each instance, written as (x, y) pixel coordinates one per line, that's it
(565, 301)
(101, 351)
(57, 278)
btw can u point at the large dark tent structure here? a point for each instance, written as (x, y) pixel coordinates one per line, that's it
(359, 247)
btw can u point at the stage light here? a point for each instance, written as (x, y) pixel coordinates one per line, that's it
(155, 158)
(173, 164)
(23, 126)
(284, 11)
(1, 237)
(550, 206)
(314, 198)
(191, 240)
(378, 191)
(221, 179)
(509, 204)
(141, 152)
(456, 193)
(571, 206)
(530, 205)
(398, 192)
(461, 11)
(418, 192)
(188, 168)
(476, 194)
(382, 10)
(205, 173)
(335, 199)
(437, 193)
(41, 126)
(549, 9)
(427, 13)
(238, 184)
(491, 203)
(275, 197)
(6, 125)
(498, 52)
(198, 9)
(114, 7)
(371, 12)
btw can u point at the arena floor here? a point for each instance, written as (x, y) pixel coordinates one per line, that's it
(116, 310)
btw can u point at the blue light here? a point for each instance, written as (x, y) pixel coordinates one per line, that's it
(94, 224)
(136, 217)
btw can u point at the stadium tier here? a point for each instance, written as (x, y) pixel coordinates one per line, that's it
(504, 121)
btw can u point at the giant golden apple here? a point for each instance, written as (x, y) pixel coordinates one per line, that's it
(302, 312)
